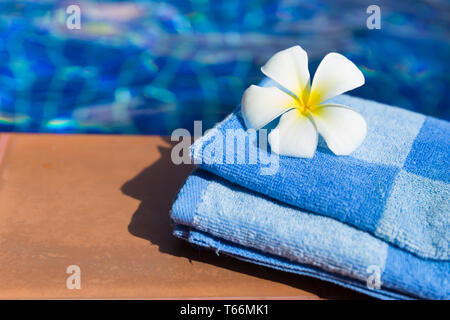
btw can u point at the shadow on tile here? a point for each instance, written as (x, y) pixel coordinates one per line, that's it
(156, 187)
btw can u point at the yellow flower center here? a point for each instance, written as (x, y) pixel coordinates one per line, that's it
(308, 100)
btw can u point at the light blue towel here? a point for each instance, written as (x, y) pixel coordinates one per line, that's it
(395, 186)
(222, 216)
(339, 218)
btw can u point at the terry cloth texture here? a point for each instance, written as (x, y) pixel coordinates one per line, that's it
(383, 210)
(395, 186)
(225, 217)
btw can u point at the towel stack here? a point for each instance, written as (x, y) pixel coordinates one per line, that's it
(376, 221)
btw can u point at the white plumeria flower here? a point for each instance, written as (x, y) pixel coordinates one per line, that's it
(302, 106)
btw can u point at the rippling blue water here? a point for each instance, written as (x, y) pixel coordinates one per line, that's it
(150, 67)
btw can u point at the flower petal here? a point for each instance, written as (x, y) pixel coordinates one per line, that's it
(342, 128)
(260, 105)
(289, 68)
(294, 136)
(335, 75)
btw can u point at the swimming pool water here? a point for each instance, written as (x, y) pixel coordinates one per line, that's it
(149, 67)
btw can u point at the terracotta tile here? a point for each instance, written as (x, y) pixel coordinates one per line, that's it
(102, 203)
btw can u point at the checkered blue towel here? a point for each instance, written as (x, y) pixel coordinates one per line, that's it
(395, 186)
(338, 218)
(213, 213)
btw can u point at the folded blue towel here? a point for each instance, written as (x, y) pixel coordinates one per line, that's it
(384, 208)
(395, 186)
(216, 214)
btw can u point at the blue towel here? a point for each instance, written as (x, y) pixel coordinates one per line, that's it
(216, 214)
(384, 208)
(395, 186)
